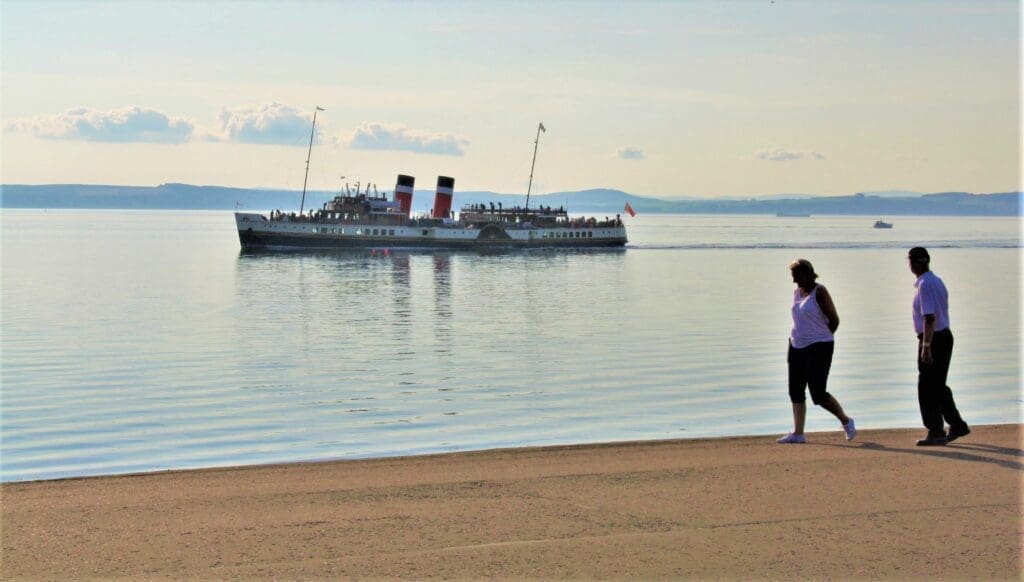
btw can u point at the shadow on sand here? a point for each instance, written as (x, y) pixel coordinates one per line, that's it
(956, 451)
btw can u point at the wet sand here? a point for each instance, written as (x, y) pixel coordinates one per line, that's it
(718, 508)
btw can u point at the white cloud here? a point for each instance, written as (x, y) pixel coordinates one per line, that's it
(378, 136)
(128, 124)
(781, 155)
(630, 153)
(269, 123)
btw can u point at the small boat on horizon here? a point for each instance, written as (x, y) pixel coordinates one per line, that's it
(882, 224)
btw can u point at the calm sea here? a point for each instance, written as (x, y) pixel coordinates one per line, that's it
(144, 341)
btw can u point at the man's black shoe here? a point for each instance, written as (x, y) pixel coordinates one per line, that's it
(955, 433)
(933, 441)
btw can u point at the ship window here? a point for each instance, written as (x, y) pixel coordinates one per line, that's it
(590, 234)
(391, 232)
(359, 231)
(424, 232)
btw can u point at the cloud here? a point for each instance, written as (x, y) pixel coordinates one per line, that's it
(781, 155)
(630, 153)
(269, 123)
(129, 124)
(378, 136)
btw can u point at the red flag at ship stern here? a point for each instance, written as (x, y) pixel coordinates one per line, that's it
(630, 210)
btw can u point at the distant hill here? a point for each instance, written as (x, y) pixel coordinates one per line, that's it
(879, 193)
(597, 201)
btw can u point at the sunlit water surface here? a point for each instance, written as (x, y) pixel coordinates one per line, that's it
(142, 341)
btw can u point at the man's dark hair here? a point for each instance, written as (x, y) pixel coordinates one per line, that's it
(919, 255)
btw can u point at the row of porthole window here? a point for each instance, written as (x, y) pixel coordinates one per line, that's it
(358, 231)
(571, 234)
(391, 232)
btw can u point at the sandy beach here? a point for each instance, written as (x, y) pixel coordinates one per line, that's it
(719, 508)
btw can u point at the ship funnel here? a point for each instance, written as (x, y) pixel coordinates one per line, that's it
(443, 196)
(403, 192)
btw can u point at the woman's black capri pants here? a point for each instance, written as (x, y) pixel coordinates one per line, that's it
(809, 367)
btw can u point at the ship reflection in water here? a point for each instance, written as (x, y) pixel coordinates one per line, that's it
(399, 348)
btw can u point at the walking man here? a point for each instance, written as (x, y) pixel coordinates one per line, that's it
(934, 350)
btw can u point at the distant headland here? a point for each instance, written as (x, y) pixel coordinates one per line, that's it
(175, 196)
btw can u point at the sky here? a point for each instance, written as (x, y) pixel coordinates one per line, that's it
(667, 99)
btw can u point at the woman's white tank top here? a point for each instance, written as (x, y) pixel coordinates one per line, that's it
(809, 322)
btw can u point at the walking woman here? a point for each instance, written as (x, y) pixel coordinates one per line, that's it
(811, 344)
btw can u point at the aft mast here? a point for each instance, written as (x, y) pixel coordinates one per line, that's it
(309, 154)
(540, 128)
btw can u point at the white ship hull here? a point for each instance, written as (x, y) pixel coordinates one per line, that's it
(256, 231)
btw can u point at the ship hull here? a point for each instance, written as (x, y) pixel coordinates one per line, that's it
(257, 232)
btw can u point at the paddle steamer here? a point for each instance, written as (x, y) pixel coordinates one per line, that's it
(357, 219)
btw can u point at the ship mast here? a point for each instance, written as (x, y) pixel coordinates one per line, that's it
(536, 142)
(309, 154)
